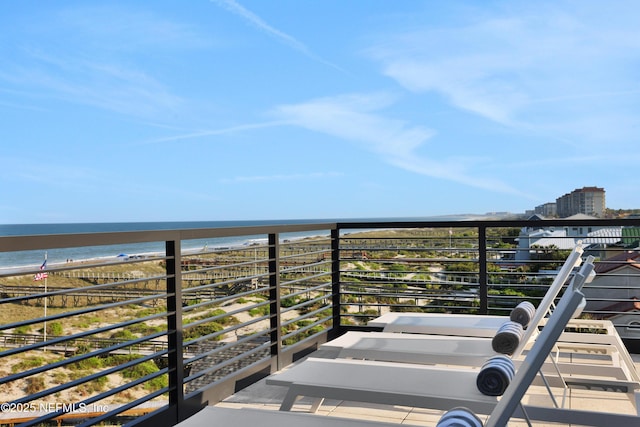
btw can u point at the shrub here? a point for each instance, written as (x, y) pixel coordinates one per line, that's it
(288, 302)
(140, 370)
(28, 363)
(54, 329)
(144, 329)
(35, 384)
(83, 348)
(90, 363)
(23, 329)
(144, 312)
(119, 359)
(202, 330)
(227, 320)
(224, 320)
(123, 334)
(259, 311)
(157, 383)
(91, 387)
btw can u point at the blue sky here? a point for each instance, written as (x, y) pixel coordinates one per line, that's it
(288, 109)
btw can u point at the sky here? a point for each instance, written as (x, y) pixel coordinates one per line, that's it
(117, 111)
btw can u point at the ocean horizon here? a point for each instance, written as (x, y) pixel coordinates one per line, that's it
(97, 227)
(13, 260)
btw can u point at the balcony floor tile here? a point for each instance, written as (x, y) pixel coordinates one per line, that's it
(268, 397)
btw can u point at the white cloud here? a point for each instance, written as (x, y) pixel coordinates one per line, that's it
(282, 177)
(110, 86)
(546, 68)
(124, 29)
(351, 117)
(215, 132)
(356, 118)
(98, 56)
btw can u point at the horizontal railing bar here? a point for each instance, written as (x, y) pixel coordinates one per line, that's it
(85, 289)
(299, 267)
(78, 358)
(224, 347)
(124, 407)
(226, 314)
(307, 315)
(229, 297)
(56, 268)
(55, 241)
(224, 282)
(224, 331)
(224, 299)
(304, 254)
(79, 335)
(91, 377)
(308, 302)
(346, 226)
(305, 328)
(227, 249)
(306, 279)
(85, 311)
(319, 287)
(249, 263)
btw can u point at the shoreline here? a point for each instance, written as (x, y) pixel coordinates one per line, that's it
(57, 260)
(27, 261)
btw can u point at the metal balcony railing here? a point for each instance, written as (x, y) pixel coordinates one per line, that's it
(148, 338)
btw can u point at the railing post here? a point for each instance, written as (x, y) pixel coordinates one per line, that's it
(274, 298)
(335, 283)
(174, 326)
(482, 270)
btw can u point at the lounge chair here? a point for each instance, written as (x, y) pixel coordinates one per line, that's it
(471, 351)
(466, 346)
(471, 325)
(435, 387)
(619, 375)
(608, 343)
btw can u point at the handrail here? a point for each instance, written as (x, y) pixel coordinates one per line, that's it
(252, 309)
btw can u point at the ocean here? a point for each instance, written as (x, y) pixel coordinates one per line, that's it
(12, 260)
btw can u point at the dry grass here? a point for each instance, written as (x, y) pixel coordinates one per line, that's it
(10, 313)
(20, 388)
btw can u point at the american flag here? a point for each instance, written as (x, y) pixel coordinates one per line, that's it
(42, 274)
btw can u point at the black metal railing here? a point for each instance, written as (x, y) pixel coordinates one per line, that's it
(151, 337)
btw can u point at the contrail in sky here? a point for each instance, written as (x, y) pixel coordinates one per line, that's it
(254, 19)
(204, 133)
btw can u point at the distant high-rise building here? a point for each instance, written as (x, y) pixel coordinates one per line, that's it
(587, 200)
(547, 209)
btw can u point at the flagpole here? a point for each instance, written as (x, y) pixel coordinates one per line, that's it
(42, 275)
(45, 302)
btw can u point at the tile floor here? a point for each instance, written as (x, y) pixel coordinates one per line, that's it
(266, 397)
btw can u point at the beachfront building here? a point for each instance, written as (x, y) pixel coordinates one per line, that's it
(586, 200)
(547, 209)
